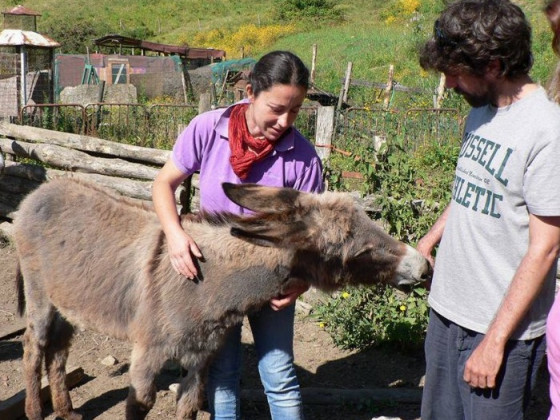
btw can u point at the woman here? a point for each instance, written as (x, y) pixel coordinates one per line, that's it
(250, 142)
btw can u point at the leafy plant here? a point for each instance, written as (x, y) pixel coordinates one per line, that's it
(412, 187)
(359, 318)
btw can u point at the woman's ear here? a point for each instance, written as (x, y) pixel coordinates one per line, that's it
(250, 94)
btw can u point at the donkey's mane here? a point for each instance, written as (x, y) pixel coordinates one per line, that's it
(213, 218)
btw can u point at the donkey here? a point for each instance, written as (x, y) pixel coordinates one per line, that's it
(90, 258)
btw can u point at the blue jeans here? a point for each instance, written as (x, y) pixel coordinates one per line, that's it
(447, 396)
(273, 332)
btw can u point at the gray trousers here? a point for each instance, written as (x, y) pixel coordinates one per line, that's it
(447, 396)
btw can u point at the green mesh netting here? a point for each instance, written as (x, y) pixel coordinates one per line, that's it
(220, 70)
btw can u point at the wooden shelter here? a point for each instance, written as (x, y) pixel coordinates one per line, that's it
(192, 57)
(26, 62)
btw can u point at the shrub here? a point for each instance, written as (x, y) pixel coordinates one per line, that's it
(316, 10)
(412, 189)
(249, 37)
(363, 317)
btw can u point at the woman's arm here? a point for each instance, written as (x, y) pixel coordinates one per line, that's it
(179, 244)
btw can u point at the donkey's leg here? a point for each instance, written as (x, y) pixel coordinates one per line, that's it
(191, 392)
(145, 363)
(56, 354)
(35, 338)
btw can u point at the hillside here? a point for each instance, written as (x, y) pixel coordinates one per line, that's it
(372, 34)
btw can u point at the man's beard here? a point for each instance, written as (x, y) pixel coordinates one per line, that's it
(475, 100)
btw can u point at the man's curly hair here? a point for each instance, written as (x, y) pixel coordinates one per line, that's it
(470, 34)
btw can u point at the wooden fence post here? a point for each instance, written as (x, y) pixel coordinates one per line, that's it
(344, 91)
(324, 131)
(313, 64)
(205, 102)
(440, 92)
(389, 87)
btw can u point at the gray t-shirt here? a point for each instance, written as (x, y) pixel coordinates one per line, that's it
(507, 168)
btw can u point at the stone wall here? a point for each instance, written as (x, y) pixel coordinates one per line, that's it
(89, 94)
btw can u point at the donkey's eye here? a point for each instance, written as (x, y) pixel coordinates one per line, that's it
(364, 252)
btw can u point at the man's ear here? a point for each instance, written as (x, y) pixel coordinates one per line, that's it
(494, 69)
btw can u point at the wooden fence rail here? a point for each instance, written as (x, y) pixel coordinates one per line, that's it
(34, 155)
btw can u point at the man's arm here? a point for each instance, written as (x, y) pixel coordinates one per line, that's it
(428, 242)
(544, 244)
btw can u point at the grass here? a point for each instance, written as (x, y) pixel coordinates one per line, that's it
(370, 47)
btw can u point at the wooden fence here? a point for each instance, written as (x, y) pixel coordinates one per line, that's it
(34, 155)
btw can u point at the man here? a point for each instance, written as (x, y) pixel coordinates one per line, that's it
(499, 237)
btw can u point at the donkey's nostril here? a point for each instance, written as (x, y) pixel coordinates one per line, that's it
(427, 274)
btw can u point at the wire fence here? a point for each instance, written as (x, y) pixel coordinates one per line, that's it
(155, 126)
(158, 125)
(441, 125)
(361, 128)
(68, 118)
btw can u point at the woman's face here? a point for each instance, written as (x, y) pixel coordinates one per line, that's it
(274, 110)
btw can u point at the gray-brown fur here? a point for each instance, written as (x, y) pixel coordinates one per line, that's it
(92, 259)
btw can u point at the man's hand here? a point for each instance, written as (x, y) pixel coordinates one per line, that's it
(425, 248)
(483, 365)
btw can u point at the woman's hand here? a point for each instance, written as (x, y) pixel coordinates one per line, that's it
(289, 296)
(182, 248)
(180, 245)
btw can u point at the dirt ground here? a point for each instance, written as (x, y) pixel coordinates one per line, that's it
(321, 366)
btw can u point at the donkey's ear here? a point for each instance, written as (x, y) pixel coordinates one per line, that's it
(273, 233)
(261, 199)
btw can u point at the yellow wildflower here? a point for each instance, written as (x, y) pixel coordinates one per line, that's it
(409, 6)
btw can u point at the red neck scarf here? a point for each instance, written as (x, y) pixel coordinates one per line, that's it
(245, 149)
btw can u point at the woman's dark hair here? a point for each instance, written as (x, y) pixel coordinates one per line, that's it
(278, 67)
(470, 34)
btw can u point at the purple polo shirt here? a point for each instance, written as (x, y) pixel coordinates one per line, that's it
(203, 146)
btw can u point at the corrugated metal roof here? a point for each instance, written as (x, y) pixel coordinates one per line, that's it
(17, 37)
(192, 53)
(20, 10)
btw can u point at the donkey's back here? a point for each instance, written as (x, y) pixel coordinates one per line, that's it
(83, 255)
